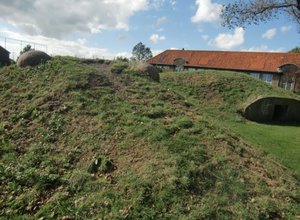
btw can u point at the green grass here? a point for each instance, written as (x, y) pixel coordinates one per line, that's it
(280, 140)
(231, 93)
(74, 146)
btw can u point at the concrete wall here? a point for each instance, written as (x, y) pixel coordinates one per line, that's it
(273, 109)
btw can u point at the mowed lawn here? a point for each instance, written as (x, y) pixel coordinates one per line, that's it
(280, 140)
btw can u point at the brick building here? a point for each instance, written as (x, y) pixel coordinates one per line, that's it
(262, 65)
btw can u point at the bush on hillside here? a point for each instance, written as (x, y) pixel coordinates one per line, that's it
(119, 67)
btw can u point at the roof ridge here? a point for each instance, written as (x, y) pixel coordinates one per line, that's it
(226, 51)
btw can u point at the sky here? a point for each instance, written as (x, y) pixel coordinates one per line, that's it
(110, 28)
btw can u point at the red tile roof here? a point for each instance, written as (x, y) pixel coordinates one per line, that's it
(242, 61)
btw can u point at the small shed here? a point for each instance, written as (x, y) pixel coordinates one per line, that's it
(4, 57)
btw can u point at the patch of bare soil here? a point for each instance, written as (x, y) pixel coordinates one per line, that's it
(3, 77)
(119, 81)
(212, 96)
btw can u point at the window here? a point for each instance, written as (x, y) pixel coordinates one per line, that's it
(267, 78)
(178, 69)
(256, 75)
(287, 83)
(191, 69)
(166, 67)
(287, 86)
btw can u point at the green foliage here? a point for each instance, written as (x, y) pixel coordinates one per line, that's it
(295, 50)
(119, 67)
(122, 59)
(141, 52)
(26, 48)
(159, 69)
(101, 164)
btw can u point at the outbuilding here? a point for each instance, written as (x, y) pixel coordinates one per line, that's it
(4, 57)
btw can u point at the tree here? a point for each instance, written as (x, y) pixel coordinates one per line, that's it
(25, 49)
(295, 50)
(123, 59)
(241, 13)
(141, 52)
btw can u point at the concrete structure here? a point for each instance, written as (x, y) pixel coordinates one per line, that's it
(261, 65)
(4, 57)
(32, 58)
(149, 70)
(273, 109)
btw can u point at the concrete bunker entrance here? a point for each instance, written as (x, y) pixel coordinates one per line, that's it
(280, 112)
(273, 109)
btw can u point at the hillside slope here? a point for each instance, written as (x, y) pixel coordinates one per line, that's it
(80, 142)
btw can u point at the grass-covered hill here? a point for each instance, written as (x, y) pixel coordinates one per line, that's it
(80, 142)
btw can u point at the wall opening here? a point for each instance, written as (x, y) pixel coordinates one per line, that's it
(280, 112)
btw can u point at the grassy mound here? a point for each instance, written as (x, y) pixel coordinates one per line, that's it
(75, 147)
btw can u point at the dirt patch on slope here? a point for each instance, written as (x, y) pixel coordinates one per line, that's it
(119, 81)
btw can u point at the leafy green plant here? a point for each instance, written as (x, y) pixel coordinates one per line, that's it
(101, 164)
(119, 67)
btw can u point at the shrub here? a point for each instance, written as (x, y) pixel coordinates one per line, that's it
(119, 67)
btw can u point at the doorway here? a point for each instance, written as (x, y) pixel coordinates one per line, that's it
(280, 112)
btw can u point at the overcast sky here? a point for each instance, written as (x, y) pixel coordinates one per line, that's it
(109, 28)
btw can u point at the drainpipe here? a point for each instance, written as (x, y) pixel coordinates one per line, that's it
(279, 79)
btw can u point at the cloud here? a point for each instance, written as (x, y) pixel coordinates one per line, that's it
(58, 19)
(285, 28)
(124, 54)
(207, 12)
(161, 20)
(204, 37)
(27, 28)
(172, 2)
(155, 38)
(52, 46)
(160, 29)
(269, 34)
(157, 4)
(122, 37)
(264, 48)
(156, 52)
(82, 41)
(228, 41)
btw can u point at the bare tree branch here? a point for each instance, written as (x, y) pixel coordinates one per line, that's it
(242, 13)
